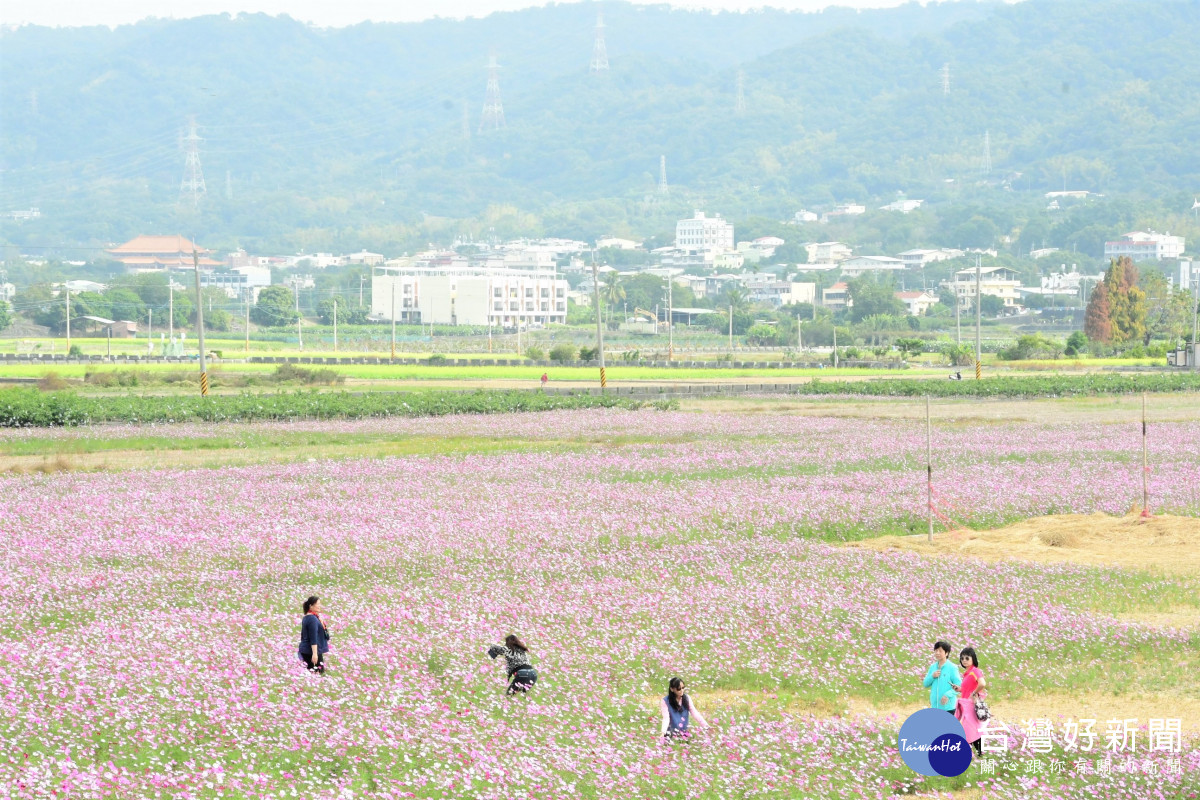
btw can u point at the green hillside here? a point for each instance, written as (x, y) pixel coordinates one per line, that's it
(368, 135)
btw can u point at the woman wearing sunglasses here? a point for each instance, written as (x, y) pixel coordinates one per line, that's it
(677, 711)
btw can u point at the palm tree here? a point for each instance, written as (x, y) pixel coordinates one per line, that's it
(611, 290)
(736, 297)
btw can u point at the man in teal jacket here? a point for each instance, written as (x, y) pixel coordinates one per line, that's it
(943, 679)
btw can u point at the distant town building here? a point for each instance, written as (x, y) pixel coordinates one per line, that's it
(1189, 276)
(7, 292)
(860, 265)
(903, 205)
(804, 215)
(455, 296)
(31, 213)
(240, 282)
(1042, 252)
(159, 253)
(828, 252)
(704, 233)
(1145, 246)
(999, 282)
(836, 297)
(616, 243)
(77, 286)
(844, 210)
(780, 293)
(916, 259)
(917, 303)
(363, 257)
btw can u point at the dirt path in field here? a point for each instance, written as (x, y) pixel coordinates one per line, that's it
(1164, 544)
(1055, 706)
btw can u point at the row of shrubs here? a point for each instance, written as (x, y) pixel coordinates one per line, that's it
(24, 408)
(112, 378)
(1036, 386)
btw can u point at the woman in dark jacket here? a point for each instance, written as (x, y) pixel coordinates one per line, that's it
(516, 659)
(314, 636)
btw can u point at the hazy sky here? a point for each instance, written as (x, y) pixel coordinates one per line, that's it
(322, 12)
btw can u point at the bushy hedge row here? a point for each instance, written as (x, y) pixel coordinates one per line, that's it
(1034, 386)
(23, 408)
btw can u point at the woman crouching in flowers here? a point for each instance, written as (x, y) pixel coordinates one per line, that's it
(972, 686)
(516, 658)
(677, 710)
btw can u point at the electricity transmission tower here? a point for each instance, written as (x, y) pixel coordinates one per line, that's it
(739, 106)
(599, 50)
(192, 188)
(946, 79)
(493, 110)
(987, 153)
(663, 191)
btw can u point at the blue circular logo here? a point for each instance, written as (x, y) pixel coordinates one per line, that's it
(932, 743)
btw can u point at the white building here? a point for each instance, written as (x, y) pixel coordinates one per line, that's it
(363, 257)
(1189, 276)
(879, 265)
(780, 293)
(504, 298)
(7, 292)
(836, 297)
(239, 282)
(804, 215)
(917, 303)
(999, 282)
(1145, 246)
(77, 286)
(850, 209)
(704, 233)
(616, 243)
(916, 259)
(903, 205)
(827, 252)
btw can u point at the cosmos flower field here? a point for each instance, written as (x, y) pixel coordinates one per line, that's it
(151, 616)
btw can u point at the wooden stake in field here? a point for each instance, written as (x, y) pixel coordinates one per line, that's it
(1145, 464)
(929, 468)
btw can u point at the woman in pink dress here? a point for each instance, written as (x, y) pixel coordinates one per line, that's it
(973, 684)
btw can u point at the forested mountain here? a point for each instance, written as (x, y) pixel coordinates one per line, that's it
(369, 135)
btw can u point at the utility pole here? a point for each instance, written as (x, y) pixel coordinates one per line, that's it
(247, 348)
(1196, 323)
(200, 325)
(799, 334)
(170, 308)
(299, 332)
(150, 331)
(978, 316)
(361, 280)
(599, 330)
(957, 313)
(670, 320)
(835, 356)
(929, 469)
(335, 305)
(731, 330)
(393, 317)
(68, 290)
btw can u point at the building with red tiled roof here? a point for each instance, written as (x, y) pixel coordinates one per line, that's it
(158, 253)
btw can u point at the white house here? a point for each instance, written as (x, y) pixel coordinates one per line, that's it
(999, 282)
(880, 265)
(828, 252)
(850, 209)
(903, 205)
(915, 259)
(917, 303)
(804, 215)
(1145, 246)
(7, 292)
(239, 282)
(704, 233)
(363, 257)
(836, 297)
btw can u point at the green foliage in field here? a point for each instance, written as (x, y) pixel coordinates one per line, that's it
(22, 408)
